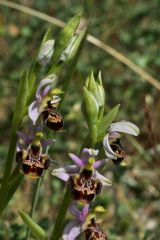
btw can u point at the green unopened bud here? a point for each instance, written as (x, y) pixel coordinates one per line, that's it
(96, 88)
(46, 52)
(101, 88)
(91, 84)
(68, 52)
(90, 107)
(90, 110)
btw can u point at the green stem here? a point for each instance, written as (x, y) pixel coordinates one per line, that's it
(34, 202)
(58, 228)
(56, 234)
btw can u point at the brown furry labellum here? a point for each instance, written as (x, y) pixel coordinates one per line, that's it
(94, 232)
(84, 186)
(52, 119)
(119, 151)
(32, 162)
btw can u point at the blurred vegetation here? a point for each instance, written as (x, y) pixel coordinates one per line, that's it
(131, 27)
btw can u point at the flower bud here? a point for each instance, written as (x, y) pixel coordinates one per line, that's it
(46, 52)
(96, 88)
(93, 104)
(67, 53)
(90, 107)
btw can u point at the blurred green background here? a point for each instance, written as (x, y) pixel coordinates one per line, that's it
(131, 27)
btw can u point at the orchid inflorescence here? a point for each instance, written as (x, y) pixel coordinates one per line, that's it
(84, 178)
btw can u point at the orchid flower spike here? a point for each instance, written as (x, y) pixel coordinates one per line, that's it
(84, 222)
(83, 179)
(111, 142)
(32, 161)
(46, 103)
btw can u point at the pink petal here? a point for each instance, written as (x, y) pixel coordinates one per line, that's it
(48, 80)
(105, 181)
(63, 173)
(124, 127)
(99, 163)
(26, 140)
(88, 152)
(107, 148)
(79, 215)
(76, 159)
(72, 230)
(47, 142)
(84, 212)
(45, 91)
(114, 135)
(33, 111)
(74, 211)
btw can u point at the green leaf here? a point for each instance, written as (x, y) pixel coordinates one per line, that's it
(14, 182)
(64, 38)
(16, 122)
(37, 231)
(106, 121)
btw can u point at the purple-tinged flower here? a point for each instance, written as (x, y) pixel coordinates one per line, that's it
(25, 138)
(83, 179)
(84, 222)
(111, 142)
(47, 100)
(29, 155)
(74, 227)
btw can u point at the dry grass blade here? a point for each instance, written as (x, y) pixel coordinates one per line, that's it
(105, 47)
